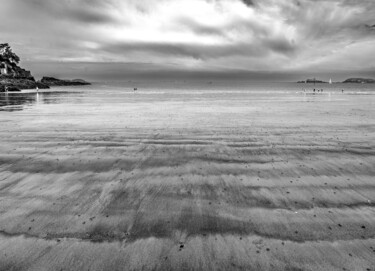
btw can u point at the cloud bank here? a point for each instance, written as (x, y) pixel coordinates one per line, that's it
(248, 35)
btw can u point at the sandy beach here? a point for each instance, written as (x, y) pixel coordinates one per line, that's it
(187, 180)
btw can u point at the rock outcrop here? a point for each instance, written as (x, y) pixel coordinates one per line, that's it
(21, 83)
(12, 76)
(50, 81)
(12, 89)
(360, 81)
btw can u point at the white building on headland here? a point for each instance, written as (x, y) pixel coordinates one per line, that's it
(3, 67)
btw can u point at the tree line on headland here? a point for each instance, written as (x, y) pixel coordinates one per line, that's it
(349, 80)
(14, 78)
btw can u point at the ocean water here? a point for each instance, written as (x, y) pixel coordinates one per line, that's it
(164, 107)
(117, 92)
(102, 175)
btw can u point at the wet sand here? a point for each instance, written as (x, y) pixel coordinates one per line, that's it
(161, 181)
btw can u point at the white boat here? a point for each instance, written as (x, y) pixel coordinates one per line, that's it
(330, 81)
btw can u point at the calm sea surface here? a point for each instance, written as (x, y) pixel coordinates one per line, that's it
(107, 93)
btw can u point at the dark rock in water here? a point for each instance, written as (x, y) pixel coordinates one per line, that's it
(20, 83)
(51, 81)
(360, 81)
(10, 88)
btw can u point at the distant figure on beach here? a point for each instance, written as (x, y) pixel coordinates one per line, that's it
(342, 91)
(314, 90)
(135, 89)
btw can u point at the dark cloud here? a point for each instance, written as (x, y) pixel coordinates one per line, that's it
(282, 46)
(249, 3)
(199, 52)
(81, 11)
(191, 24)
(256, 49)
(90, 16)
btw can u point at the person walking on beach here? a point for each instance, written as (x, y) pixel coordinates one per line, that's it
(342, 91)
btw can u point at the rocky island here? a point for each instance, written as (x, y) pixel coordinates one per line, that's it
(15, 78)
(350, 80)
(311, 81)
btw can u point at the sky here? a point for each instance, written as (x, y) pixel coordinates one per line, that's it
(255, 38)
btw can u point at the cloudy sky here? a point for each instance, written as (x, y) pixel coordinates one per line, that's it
(222, 36)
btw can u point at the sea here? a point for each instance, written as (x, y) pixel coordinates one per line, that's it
(99, 94)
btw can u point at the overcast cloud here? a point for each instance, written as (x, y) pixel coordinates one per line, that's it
(267, 35)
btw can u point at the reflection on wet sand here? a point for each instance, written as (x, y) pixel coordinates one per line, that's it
(166, 181)
(17, 100)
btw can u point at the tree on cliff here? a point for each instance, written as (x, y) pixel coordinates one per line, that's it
(6, 54)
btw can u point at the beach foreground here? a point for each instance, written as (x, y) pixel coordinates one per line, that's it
(166, 181)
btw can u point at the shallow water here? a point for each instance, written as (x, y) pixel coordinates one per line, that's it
(201, 176)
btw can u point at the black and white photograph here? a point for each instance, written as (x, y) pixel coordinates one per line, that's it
(163, 135)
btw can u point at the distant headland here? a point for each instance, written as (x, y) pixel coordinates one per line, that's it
(15, 78)
(350, 80)
(360, 81)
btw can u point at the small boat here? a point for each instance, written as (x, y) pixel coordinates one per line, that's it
(330, 81)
